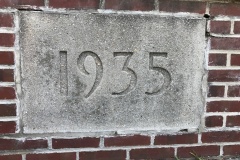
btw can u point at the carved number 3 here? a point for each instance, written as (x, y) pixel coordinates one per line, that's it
(133, 81)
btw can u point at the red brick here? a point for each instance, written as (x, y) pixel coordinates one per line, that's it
(7, 58)
(51, 156)
(217, 60)
(225, 43)
(75, 4)
(75, 143)
(103, 155)
(6, 75)
(18, 3)
(182, 6)
(222, 27)
(7, 127)
(235, 60)
(7, 110)
(214, 121)
(223, 75)
(14, 144)
(7, 39)
(152, 153)
(237, 27)
(233, 91)
(233, 121)
(7, 93)
(140, 5)
(11, 157)
(201, 151)
(6, 20)
(231, 150)
(224, 136)
(223, 106)
(216, 91)
(176, 139)
(135, 140)
(230, 9)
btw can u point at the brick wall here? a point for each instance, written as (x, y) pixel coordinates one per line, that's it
(219, 135)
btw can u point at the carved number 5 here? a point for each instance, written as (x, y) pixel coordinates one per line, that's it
(133, 75)
(164, 72)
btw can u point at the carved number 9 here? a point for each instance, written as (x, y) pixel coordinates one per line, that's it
(99, 69)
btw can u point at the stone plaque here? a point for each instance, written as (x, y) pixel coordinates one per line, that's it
(94, 72)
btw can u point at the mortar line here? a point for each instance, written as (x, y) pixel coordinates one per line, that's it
(232, 27)
(222, 113)
(226, 91)
(223, 68)
(221, 150)
(46, 3)
(101, 143)
(7, 66)
(225, 51)
(23, 156)
(7, 30)
(207, 11)
(228, 64)
(223, 99)
(225, 35)
(77, 156)
(127, 154)
(10, 118)
(8, 101)
(17, 70)
(156, 4)
(224, 120)
(3, 49)
(7, 84)
(102, 4)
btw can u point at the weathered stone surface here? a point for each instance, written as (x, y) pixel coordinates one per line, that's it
(86, 72)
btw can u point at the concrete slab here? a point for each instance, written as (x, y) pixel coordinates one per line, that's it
(88, 72)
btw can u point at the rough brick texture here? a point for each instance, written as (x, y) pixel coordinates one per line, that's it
(223, 75)
(237, 27)
(75, 143)
(233, 121)
(103, 155)
(6, 75)
(222, 27)
(75, 4)
(7, 39)
(7, 93)
(7, 127)
(14, 144)
(176, 139)
(216, 91)
(231, 150)
(52, 156)
(141, 5)
(182, 6)
(6, 20)
(152, 153)
(7, 110)
(6, 58)
(235, 60)
(226, 136)
(201, 151)
(224, 9)
(233, 91)
(19, 3)
(217, 60)
(225, 43)
(127, 141)
(214, 121)
(223, 106)
(11, 157)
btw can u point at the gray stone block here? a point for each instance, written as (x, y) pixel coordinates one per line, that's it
(89, 72)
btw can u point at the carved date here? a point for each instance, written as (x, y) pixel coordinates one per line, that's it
(125, 68)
